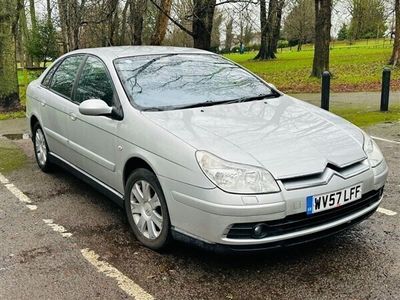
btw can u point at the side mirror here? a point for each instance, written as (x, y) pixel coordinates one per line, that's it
(95, 107)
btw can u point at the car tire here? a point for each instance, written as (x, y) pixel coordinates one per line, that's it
(41, 148)
(147, 210)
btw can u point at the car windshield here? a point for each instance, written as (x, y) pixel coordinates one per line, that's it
(172, 81)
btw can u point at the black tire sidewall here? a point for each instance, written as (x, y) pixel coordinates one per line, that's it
(164, 238)
(47, 166)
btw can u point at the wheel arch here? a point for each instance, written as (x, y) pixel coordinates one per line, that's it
(134, 163)
(33, 121)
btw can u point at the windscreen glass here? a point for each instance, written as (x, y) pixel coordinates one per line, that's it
(176, 80)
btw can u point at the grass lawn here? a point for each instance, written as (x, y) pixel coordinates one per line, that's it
(11, 157)
(24, 78)
(363, 118)
(356, 67)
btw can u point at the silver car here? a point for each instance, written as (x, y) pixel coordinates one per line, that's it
(198, 149)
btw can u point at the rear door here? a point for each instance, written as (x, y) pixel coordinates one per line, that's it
(94, 138)
(56, 91)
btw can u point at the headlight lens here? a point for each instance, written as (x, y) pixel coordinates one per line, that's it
(372, 150)
(236, 178)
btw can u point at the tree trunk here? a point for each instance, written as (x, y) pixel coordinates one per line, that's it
(264, 31)
(203, 14)
(266, 49)
(161, 23)
(113, 24)
(394, 60)
(23, 36)
(277, 25)
(32, 12)
(323, 14)
(75, 10)
(48, 7)
(123, 24)
(229, 35)
(9, 94)
(137, 11)
(63, 13)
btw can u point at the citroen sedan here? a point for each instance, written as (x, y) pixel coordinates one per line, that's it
(196, 148)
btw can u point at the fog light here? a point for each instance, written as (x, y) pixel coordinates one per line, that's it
(258, 231)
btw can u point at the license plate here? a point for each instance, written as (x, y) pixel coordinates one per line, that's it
(331, 200)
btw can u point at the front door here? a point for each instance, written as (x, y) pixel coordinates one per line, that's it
(94, 138)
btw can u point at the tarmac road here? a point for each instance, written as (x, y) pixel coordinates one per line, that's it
(40, 260)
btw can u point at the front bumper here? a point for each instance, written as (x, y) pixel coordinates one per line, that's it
(206, 216)
(223, 248)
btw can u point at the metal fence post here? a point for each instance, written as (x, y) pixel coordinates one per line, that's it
(325, 88)
(385, 89)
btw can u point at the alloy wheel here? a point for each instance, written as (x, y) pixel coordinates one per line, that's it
(146, 209)
(40, 147)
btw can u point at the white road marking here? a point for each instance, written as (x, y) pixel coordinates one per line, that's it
(3, 180)
(387, 211)
(385, 140)
(17, 193)
(31, 207)
(57, 228)
(125, 283)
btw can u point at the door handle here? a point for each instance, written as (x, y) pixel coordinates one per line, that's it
(43, 104)
(72, 116)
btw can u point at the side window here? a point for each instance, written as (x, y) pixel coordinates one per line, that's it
(47, 79)
(64, 77)
(94, 82)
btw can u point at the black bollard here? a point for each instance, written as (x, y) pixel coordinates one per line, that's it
(325, 88)
(385, 89)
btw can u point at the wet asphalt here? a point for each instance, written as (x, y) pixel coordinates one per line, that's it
(38, 263)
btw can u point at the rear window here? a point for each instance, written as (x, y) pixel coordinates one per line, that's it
(173, 80)
(47, 79)
(64, 77)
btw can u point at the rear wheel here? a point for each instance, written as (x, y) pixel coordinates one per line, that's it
(147, 210)
(41, 148)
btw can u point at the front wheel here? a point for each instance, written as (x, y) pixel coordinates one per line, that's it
(147, 210)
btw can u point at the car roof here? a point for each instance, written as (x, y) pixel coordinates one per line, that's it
(111, 53)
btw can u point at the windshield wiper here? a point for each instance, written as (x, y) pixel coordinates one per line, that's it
(153, 109)
(200, 104)
(211, 103)
(243, 99)
(253, 98)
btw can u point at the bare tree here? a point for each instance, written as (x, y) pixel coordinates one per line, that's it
(395, 58)
(138, 9)
(262, 53)
(9, 14)
(71, 12)
(277, 25)
(267, 29)
(299, 25)
(122, 39)
(32, 12)
(229, 35)
(323, 14)
(161, 23)
(202, 22)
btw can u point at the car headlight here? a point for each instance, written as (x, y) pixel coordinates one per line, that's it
(236, 178)
(372, 150)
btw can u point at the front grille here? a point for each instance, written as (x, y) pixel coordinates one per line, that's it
(324, 177)
(302, 221)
